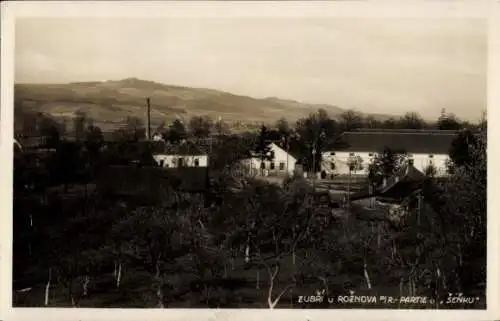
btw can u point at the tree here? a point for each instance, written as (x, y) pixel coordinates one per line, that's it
(460, 149)
(430, 170)
(390, 123)
(371, 122)
(385, 164)
(351, 120)
(448, 121)
(79, 125)
(411, 120)
(355, 163)
(314, 135)
(51, 130)
(133, 131)
(147, 237)
(221, 127)
(67, 257)
(230, 150)
(67, 163)
(176, 132)
(94, 141)
(283, 127)
(262, 148)
(466, 207)
(200, 126)
(271, 225)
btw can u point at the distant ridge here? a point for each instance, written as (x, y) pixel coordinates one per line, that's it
(110, 102)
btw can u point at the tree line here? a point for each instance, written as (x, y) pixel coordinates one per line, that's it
(307, 139)
(204, 126)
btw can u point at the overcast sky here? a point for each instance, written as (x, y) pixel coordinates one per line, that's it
(389, 65)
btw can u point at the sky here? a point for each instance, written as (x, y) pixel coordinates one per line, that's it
(379, 65)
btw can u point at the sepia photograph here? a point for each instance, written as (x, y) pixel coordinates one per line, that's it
(251, 162)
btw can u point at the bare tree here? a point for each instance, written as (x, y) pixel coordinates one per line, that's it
(200, 126)
(411, 120)
(351, 120)
(279, 222)
(221, 127)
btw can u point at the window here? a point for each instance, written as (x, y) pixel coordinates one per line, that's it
(332, 165)
(332, 154)
(431, 162)
(174, 162)
(370, 154)
(166, 165)
(351, 154)
(262, 165)
(272, 165)
(180, 162)
(162, 162)
(431, 156)
(282, 166)
(196, 162)
(272, 154)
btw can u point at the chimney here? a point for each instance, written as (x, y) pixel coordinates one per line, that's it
(148, 120)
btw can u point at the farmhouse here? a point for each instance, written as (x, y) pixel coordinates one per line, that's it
(185, 154)
(281, 163)
(423, 147)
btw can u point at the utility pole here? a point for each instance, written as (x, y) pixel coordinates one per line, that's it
(370, 192)
(287, 146)
(350, 164)
(148, 125)
(349, 188)
(314, 167)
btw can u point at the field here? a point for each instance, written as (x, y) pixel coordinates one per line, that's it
(242, 285)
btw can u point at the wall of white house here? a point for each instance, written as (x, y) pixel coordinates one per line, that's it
(278, 166)
(340, 161)
(174, 161)
(422, 161)
(281, 164)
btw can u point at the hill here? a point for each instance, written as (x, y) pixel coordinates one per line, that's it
(110, 102)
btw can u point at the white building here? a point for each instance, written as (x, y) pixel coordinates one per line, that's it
(157, 137)
(281, 163)
(422, 146)
(185, 154)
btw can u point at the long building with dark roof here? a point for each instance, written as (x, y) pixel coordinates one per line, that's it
(425, 147)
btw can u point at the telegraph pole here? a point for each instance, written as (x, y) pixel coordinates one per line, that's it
(314, 168)
(148, 125)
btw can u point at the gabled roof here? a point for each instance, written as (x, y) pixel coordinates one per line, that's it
(407, 174)
(410, 141)
(276, 146)
(273, 145)
(400, 184)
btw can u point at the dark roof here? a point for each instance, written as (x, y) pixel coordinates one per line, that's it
(407, 174)
(184, 148)
(416, 141)
(133, 180)
(399, 185)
